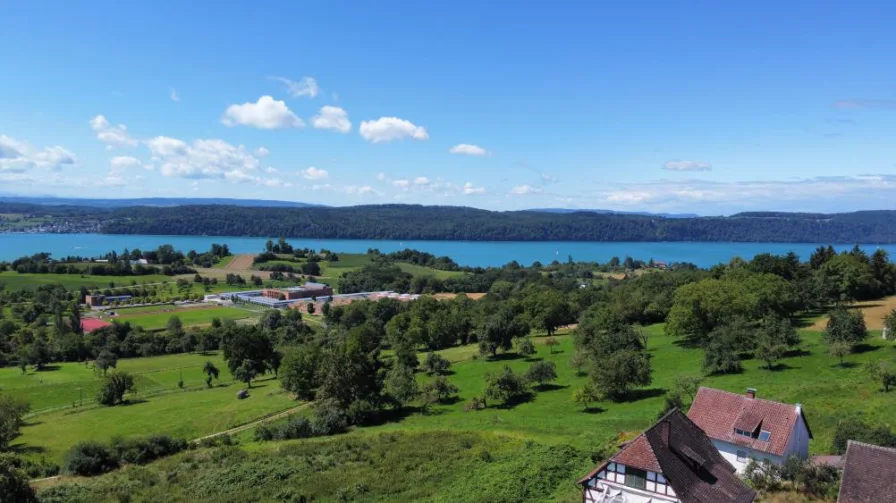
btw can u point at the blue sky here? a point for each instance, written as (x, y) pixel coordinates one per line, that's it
(699, 107)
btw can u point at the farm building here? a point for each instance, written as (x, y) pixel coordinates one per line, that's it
(671, 462)
(743, 427)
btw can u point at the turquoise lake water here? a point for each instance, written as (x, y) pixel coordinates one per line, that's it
(471, 253)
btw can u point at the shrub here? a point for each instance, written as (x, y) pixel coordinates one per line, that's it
(142, 450)
(294, 427)
(90, 458)
(328, 418)
(853, 429)
(115, 385)
(435, 364)
(474, 403)
(541, 372)
(505, 386)
(14, 484)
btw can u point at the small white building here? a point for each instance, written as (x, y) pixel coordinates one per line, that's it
(744, 428)
(672, 462)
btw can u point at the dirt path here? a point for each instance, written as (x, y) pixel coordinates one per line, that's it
(241, 262)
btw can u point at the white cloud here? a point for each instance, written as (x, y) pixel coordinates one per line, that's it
(112, 180)
(421, 180)
(313, 173)
(266, 113)
(333, 118)
(521, 190)
(307, 86)
(112, 136)
(679, 165)
(172, 93)
(18, 156)
(403, 184)
(381, 176)
(262, 152)
(123, 162)
(469, 189)
(164, 146)
(270, 170)
(207, 159)
(386, 129)
(467, 149)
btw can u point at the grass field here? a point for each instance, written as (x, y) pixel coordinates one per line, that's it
(874, 312)
(158, 318)
(16, 281)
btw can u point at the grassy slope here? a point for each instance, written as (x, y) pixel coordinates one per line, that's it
(190, 316)
(16, 281)
(430, 467)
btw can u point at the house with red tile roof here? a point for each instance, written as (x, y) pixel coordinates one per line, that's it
(673, 461)
(869, 474)
(743, 427)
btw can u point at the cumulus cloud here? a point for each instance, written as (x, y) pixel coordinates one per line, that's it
(333, 118)
(266, 113)
(211, 159)
(306, 86)
(467, 149)
(386, 129)
(19, 156)
(421, 180)
(313, 173)
(262, 152)
(469, 189)
(680, 165)
(402, 184)
(521, 190)
(112, 136)
(124, 162)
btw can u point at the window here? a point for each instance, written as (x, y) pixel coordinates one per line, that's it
(741, 457)
(765, 435)
(742, 433)
(636, 478)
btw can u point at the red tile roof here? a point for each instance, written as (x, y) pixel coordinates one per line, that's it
(90, 324)
(869, 475)
(678, 449)
(719, 412)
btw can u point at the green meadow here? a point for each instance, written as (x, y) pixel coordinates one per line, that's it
(158, 319)
(16, 281)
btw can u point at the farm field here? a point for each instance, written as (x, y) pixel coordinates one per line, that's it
(16, 281)
(874, 312)
(158, 319)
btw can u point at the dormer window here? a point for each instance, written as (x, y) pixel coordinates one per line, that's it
(765, 435)
(743, 433)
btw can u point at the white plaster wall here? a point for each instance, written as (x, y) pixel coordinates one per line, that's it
(729, 452)
(799, 440)
(631, 495)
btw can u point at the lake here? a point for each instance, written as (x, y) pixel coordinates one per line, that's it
(471, 253)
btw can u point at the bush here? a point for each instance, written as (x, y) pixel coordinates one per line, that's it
(294, 427)
(142, 450)
(328, 418)
(90, 458)
(14, 484)
(435, 364)
(474, 403)
(853, 429)
(115, 385)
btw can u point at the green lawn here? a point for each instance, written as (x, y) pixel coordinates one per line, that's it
(419, 270)
(224, 262)
(16, 281)
(189, 316)
(188, 414)
(827, 391)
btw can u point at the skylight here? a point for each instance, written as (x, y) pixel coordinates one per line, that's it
(765, 435)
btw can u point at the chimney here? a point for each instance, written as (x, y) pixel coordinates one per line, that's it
(751, 393)
(665, 432)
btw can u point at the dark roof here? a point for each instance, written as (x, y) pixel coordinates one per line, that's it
(719, 413)
(869, 474)
(677, 448)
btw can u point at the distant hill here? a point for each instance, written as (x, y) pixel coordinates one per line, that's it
(152, 201)
(614, 212)
(407, 222)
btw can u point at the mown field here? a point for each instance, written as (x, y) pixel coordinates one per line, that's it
(158, 318)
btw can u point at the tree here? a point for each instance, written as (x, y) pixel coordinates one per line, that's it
(525, 347)
(541, 372)
(246, 371)
(772, 338)
(845, 328)
(615, 375)
(547, 309)
(439, 389)
(106, 360)
(300, 371)
(246, 347)
(400, 385)
(721, 357)
(551, 343)
(890, 325)
(211, 372)
(14, 483)
(616, 351)
(498, 329)
(884, 372)
(686, 386)
(114, 386)
(586, 395)
(11, 413)
(839, 350)
(505, 386)
(579, 361)
(435, 363)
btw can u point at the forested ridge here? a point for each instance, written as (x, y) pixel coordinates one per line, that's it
(459, 223)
